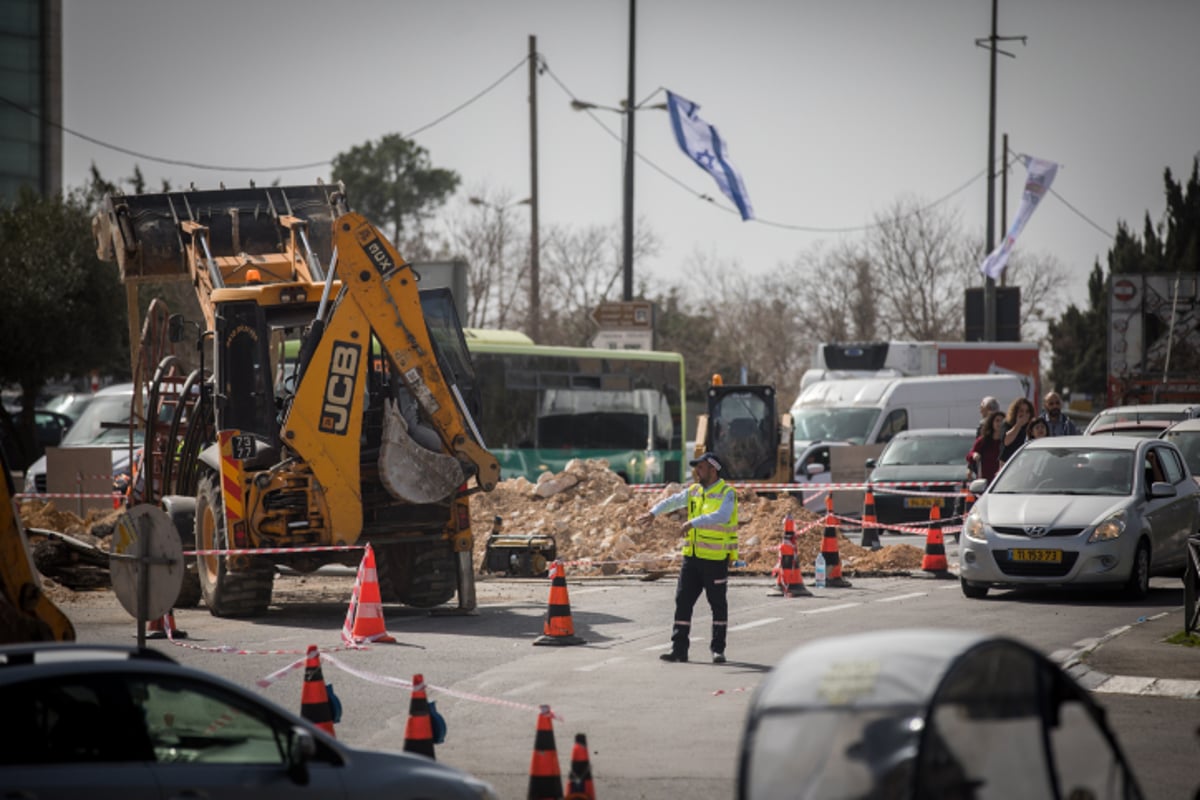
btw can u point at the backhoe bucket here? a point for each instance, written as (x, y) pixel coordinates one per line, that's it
(142, 232)
(411, 472)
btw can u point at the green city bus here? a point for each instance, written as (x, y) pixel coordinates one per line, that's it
(543, 406)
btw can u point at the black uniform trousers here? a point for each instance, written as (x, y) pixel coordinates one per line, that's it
(701, 575)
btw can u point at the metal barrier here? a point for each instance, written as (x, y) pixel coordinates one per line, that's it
(1191, 586)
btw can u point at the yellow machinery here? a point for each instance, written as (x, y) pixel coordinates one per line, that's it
(332, 406)
(743, 429)
(26, 613)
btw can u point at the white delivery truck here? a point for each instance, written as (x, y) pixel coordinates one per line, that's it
(865, 411)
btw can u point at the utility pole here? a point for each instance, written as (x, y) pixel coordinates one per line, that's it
(627, 244)
(535, 302)
(989, 290)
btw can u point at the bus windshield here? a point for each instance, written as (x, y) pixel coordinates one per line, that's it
(544, 406)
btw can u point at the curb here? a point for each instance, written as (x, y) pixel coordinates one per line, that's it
(1072, 661)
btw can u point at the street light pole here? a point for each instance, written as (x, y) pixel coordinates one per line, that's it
(630, 108)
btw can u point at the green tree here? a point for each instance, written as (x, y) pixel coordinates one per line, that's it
(61, 311)
(1078, 342)
(393, 183)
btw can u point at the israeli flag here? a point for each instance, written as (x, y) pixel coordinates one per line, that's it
(702, 144)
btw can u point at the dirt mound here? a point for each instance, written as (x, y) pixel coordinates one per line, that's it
(590, 512)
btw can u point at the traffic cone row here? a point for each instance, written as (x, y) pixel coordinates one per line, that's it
(364, 618)
(829, 549)
(787, 573)
(934, 560)
(558, 628)
(870, 525)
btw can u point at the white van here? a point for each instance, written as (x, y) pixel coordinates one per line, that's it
(867, 411)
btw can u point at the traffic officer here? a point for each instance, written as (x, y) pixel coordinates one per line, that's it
(709, 547)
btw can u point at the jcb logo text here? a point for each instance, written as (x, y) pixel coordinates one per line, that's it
(340, 387)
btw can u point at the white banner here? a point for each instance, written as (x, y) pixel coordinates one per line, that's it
(1039, 175)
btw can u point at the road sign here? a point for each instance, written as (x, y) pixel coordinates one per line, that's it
(1124, 290)
(625, 315)
(624, 340)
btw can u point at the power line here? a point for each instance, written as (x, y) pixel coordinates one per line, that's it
(224, 168)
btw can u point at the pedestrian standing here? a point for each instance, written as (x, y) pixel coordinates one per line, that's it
(984, 458)
(1058, 423)
(1036, 429)
(1020, 414)
(987, 406)
(709, 547)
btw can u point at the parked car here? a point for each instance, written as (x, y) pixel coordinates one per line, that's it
(1133, 418)
(933, 460)
(49, 429)
(1081, 510)
(1186, 436)
(110, 721)
(104, 423)
(813, 466)
(71, 404)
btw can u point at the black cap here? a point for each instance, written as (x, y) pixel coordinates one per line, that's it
(709, 457)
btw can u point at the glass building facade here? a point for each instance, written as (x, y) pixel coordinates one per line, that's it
(30, 96)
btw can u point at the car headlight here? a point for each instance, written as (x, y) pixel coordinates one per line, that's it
(974, 527)
(1111, 528)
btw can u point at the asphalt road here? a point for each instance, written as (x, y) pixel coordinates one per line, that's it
(655, 730)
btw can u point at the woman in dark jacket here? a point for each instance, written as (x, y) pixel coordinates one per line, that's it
(1020, 414)
(984, 458)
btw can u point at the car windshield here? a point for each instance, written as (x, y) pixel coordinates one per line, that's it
(1188, 443)
(950, 450)
(846, 424)
(1135, 415)
(1067, 470)
(104, 423)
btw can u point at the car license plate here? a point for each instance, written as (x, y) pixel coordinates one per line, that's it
(922, 502)
(1047, 556)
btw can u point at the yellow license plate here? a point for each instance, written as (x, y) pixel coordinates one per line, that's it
(922, 502)
(1046, 556)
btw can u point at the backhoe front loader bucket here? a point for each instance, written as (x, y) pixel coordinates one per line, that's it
(143, 233)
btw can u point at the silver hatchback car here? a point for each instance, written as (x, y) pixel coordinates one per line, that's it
(1081, 510)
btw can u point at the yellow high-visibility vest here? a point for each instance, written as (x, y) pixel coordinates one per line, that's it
(717, 543)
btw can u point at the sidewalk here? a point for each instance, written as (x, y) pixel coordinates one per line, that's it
(1136, 659)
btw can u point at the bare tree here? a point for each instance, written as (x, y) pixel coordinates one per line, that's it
(485, 231)
(920, 268)
(834, 294)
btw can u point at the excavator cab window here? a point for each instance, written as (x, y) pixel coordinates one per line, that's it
(245, 394)
(445, 330)
(744, 433)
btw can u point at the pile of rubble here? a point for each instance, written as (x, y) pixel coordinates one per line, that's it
(592, 513)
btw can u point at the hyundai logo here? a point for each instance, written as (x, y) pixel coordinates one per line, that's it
(1036, 531)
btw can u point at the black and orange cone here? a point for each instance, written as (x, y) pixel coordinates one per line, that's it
(545, 780)
(579, 781)
(934, 560)
(418, 733)
(558, 628)
(787, 573)
(870, 524)
(314, 701)
(829, 549)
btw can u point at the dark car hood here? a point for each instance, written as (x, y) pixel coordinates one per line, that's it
(928, 473)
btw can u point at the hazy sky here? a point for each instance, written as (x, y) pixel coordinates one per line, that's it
(832, 110)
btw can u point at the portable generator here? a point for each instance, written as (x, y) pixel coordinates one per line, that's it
(523, 556)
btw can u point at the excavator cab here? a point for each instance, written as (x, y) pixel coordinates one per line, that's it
(743, 428)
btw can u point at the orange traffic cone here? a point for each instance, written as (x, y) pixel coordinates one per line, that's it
(934, 560)
(558, 628)
(418, 733)
(164, 627)
(829, 549)
(314, 701)
(787, 573)
(579, 782)
(870, 525)
(545, 780)
(367, 604)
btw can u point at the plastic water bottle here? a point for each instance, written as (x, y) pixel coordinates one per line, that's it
(820, 580)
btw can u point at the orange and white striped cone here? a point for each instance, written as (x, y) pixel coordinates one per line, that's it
(418, 732)
(787, 573)
(558, 629)
(829, 549)
(314, 701)
(545, 779)
(164, 627)
(367, 605)
(934, 560)
(870, 524)
(579, 781)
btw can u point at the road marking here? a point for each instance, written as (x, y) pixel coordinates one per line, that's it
(748, 625)
(599, 664)
(831, 608)
(900, 597)
(525, 689)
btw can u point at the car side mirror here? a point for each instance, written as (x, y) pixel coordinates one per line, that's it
(978, 486)
(870, 463)
(815, 468)
(301, 747)
(1162, 489)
